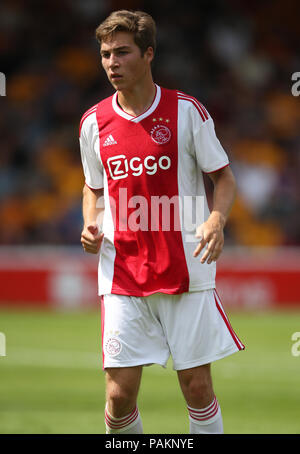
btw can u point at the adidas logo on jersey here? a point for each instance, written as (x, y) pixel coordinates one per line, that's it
(109, 141)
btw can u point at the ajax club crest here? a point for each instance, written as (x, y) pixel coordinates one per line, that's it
(113, 346)
(160, 133)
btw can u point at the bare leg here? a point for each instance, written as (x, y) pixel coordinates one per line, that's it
(196, 385)
(122, 387)
(204, 411)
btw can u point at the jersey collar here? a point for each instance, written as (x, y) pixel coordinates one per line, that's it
(137, 119)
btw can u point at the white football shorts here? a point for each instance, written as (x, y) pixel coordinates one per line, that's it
(191, 327)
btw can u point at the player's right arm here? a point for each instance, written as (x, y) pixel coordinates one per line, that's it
(93, 200)
(93, 211)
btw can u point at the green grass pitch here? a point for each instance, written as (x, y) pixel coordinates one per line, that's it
(51, 380)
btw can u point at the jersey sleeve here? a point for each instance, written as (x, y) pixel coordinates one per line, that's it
(210, 155)
(90, 152)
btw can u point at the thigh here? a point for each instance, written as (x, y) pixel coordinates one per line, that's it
(131, 334)
(200, 374)
(123, 378)
(123, 381)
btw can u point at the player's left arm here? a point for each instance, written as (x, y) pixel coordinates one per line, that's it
(211, 232)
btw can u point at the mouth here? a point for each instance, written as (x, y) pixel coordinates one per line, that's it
(115, 77)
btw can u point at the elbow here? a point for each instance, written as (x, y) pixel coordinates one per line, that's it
(84, 190)
(96, 192)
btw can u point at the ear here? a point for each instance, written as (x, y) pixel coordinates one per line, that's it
(149, 54)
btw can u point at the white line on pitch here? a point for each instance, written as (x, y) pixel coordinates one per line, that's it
(52, 358)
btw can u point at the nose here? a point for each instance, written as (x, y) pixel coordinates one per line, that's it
(113, 61)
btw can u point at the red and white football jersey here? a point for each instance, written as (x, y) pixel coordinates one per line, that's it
(151, 167)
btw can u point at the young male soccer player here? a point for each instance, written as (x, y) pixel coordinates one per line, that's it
(144, 145)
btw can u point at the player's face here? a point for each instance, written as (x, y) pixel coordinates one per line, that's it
(122, 61)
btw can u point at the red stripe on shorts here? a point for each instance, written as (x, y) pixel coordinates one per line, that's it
(220, 308)
(102, 327)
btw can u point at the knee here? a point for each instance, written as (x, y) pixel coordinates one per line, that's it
(197, 388)
(198, 391)
(120, 401)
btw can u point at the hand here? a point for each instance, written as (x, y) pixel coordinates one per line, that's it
(211, 234)
(91, 238)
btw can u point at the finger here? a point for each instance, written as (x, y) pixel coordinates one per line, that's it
(199, 247)
(204, 256)
(213, 252)
(91, 250)
(93, 245)
(87, 237)
(91, 240)
(209, 251)
(216, 253)
(90, 243)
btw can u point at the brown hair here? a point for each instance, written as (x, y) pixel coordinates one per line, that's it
(140, 24)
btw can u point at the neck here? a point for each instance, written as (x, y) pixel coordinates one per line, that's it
(137, 100)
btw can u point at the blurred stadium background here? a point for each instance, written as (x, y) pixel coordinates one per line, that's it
(238, 59)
